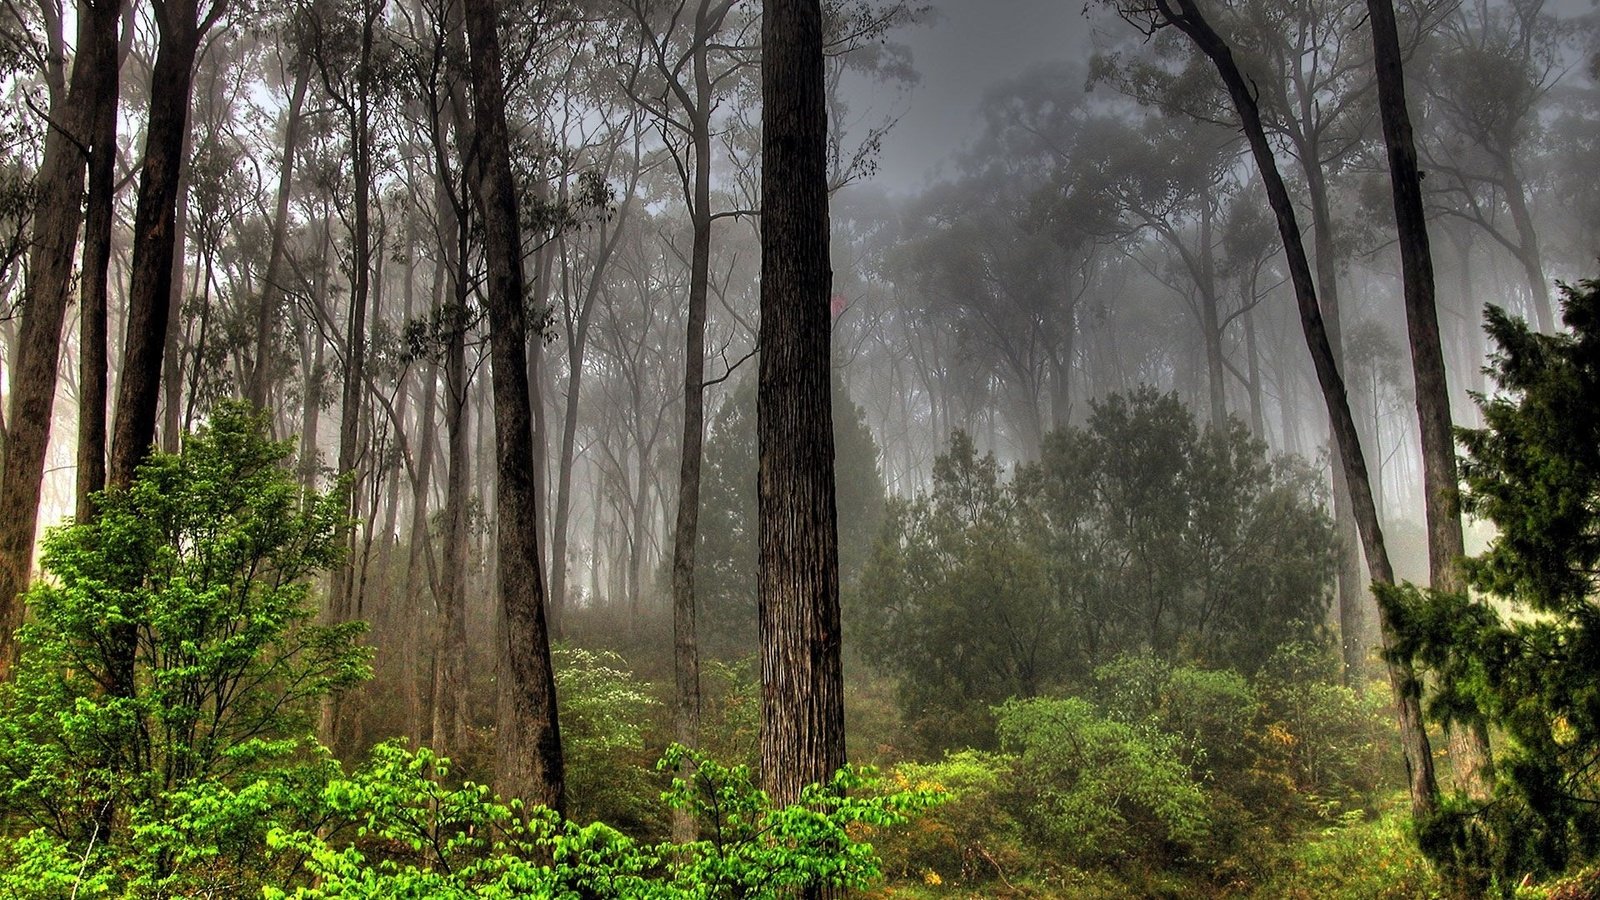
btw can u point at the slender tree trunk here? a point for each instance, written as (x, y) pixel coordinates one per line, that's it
(94, 301)
(528, 762)
(1258, 422)
(802, 726)
(1402, 679)
(53, 245)
(1211, 323)
(1528, 253)
(450, 644)
(271, 292)
(1469, 746)
(686, 532)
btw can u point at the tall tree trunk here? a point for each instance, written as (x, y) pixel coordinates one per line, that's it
(271, 292)
(1211, 322)
(450, 644)
(150, 285)
(1258, 422)
(54, 241)
(1469, 746)
(1528, 253)
(1402, 679)
(802, 723)
(528, 761)
(686, 531)
(171, 430)
(1354, 599)
(94, 300)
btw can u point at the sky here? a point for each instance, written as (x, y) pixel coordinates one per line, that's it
(969, 46)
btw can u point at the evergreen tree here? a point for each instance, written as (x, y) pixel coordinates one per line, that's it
(1532, 671)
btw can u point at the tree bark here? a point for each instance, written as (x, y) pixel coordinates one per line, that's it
(686, 531)
(1469, 749)
(450, 643)
(1185, 15)
(54, 242)
(266, 314)
(802, 685)
(94, 301)
(528, 761)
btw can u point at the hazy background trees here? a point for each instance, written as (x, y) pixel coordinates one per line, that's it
(1072, 410)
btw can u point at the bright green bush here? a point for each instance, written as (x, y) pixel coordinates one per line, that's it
(972, 836)
(1098, 789)
(409, 835)
(158, 715)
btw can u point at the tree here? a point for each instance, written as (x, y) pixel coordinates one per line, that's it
(1469, 744)
(528, 760)
(1533, 671)
(1140, 532)
(1187, 18)
(726, 557)
(77, 121)
(802, 724)
(206, 558)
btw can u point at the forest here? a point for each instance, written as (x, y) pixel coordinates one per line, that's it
(755, 449)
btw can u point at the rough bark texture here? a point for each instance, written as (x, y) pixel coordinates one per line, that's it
(54, 240)
(154, 233)
(1469, 750)
(528, 761)
(1185, 15)
(802, 685)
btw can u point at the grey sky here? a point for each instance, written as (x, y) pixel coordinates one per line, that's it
(970, 46)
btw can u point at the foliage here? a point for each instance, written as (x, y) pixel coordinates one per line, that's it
(176, 754)
(1099, 789)
(1188, 773)
(1137, 532)
(725, 561)
(1355, 859)
(604, 714)
(970, 837)
(1534, 471)
(414, 837)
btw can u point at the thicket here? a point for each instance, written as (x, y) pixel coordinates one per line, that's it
(1137, 532)
(1523, 654)
(157, 740)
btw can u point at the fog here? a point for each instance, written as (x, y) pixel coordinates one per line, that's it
(1083, 452)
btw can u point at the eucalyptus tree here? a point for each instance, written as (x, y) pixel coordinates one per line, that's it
(528, 761)
(698, 51)
(75, 134)
(802, 703)
(1185, 16)
(1314, 80)
(1490, 71)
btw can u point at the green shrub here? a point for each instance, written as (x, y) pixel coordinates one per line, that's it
(1098, 789)
(972, 836)
(605, 712)
(408, 835)
(159, 713)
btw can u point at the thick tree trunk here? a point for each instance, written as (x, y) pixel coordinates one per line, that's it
(1469, 746)
(528, 761)
(802, 726)
(54, 242)
(1402, 680)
